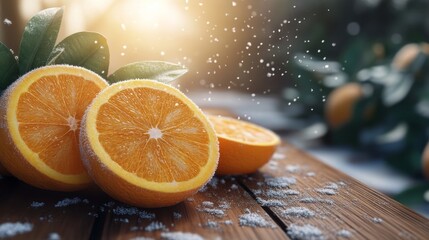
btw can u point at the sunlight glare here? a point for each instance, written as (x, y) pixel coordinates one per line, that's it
(153, 14)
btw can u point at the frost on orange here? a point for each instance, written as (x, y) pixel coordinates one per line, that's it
(244, 147)
(40, 118)
(146, 144)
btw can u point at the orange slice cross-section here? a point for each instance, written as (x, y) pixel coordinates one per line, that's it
(40, 122)
(145, 143)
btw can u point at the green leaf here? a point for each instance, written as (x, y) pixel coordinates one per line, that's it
(39, 38)
(9, 67)
(155, 70)
(84, 49)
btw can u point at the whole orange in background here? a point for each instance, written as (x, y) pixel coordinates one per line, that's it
(407, 54)
(244, 147)
(146, 144)
(40, 118)
(341, 103)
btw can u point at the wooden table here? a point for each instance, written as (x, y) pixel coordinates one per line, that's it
(293, 196)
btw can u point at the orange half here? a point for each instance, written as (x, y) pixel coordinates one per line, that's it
(40, 122)
(145, 143)
(244, 147)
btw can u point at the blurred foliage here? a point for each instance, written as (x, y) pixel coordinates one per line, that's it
(397, 94)
(416, 197)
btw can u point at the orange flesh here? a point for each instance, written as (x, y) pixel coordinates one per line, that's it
(240, 131)
(49, 116)
(152, 134)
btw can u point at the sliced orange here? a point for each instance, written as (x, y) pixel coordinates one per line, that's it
(39, 126)
(244, 147)
(146, 144)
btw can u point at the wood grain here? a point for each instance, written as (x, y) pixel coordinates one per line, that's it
(43, 209)
(365, 213)
(194, 219)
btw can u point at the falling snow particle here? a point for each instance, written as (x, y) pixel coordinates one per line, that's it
(344, 233)
(298, 212)
(13, 229)
(310, 174)
(180, 236)
(306, 231)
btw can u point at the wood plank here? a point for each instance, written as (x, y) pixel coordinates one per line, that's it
(336, 201)
(50, 214)
(193, 216)
(91, 214)
(361, 211)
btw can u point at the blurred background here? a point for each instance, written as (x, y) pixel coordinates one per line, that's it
(345, 80)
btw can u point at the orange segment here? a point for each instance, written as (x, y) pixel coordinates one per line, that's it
(145, 143)
(41, 122)
(244, 147)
